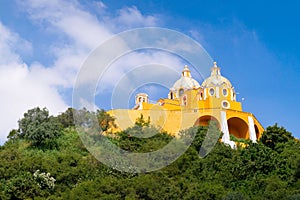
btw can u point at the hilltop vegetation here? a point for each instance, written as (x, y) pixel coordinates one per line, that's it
(45, 159)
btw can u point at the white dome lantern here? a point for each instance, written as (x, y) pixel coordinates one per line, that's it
(216, 79)
(186, 82)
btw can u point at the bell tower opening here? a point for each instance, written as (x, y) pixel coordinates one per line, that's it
(141, 97)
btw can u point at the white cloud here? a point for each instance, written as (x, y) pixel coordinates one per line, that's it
(100, 5)
(132, 17)
(86, 32)
(21, 90)
(67, 17)
(76, 32)
(9, 44)
(136, 59)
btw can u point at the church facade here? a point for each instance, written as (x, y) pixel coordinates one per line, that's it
(191, 104)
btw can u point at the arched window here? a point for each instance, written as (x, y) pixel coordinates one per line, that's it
(225, 92)
(171, 95)
(184, 100)
(181, 92)
(211, 91)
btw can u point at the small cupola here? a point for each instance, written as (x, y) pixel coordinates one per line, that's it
(215, 70)
(186, 72)
(186, 82)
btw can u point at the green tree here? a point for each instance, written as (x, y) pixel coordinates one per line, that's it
(297, 171)
(142, 122)
(66, 118)
(257, 171)
(21, 186)
(105, 120)
(234, 196)
(13, 135)
(275, 189)
(274, 136)
(40, 128)
(91, 119)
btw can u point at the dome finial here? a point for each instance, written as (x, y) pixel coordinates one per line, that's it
(215, 70)
(215, 64)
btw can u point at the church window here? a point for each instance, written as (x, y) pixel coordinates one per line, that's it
(211, 91)
(181, 92)
(184, 100)
(171, 95)
(225, 92)
(225, 104)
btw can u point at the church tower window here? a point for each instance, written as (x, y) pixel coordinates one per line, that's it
(225, 92)
(211, 91)
(181, 92)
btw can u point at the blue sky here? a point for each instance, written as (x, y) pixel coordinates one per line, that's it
(44, 43)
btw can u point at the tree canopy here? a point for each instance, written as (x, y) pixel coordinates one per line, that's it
(30, 168)
(39, 128)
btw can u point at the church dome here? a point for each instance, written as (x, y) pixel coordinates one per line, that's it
(216, 79)
(186, 81)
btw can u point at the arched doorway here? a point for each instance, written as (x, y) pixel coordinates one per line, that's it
(205, 120)
(238, 127)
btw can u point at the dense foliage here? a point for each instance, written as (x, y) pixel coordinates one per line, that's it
(45, 159)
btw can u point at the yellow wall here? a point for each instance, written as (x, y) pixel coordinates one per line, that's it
(192, 109)
(174, 121)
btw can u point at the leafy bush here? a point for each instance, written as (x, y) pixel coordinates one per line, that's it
(44, 180)
(269, 169)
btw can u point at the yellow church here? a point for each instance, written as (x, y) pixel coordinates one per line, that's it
(191, 104)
